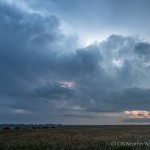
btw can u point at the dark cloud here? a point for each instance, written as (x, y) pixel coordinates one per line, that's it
(78, 116)
(142, 48)
(54, 91)
(137, 120)
(39, 75)
(129, 99)
(23, 42)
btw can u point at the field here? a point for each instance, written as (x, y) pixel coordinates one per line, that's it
(77, 138)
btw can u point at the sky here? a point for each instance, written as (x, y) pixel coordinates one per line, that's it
(75, 61)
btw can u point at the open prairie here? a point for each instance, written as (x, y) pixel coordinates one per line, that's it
(76, 137)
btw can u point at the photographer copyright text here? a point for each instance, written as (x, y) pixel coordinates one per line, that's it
(137, 143)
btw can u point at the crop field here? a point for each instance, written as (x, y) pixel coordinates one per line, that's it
(76, 138)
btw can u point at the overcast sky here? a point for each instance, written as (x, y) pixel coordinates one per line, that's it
(75, 61)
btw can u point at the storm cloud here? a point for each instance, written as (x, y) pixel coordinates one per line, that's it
(45, 72)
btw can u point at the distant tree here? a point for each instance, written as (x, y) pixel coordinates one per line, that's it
(33, 127)
(17, 128)
(45, 127)
(6, 128)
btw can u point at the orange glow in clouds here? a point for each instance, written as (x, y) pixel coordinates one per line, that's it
(138, 114)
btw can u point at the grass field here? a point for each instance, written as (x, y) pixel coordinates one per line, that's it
(77, 137)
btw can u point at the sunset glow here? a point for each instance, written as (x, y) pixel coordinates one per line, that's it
(138, 114)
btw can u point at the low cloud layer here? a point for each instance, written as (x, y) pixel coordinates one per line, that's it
(43, 73)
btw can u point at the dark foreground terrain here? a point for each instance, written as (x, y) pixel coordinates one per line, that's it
(76, 137)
